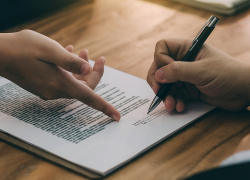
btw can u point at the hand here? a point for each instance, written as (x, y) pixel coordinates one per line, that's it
(244, 144)
(42, 66)
(214, 77)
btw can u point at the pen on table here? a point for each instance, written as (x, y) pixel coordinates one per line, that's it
(198, 41)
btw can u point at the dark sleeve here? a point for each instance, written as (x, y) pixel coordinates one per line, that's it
(233, 172)
(13, 12)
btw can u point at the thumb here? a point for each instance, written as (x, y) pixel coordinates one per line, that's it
(68, 61)
(190, 72)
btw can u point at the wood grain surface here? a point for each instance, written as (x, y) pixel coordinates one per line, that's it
(125, 32)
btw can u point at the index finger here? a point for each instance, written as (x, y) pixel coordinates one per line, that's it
(85, 94)
(169, 50)
(151, 78)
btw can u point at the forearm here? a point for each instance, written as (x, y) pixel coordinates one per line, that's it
(43, 67)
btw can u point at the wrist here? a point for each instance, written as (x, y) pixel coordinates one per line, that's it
(5, 52)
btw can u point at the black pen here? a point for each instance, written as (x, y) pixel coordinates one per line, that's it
(198, 41)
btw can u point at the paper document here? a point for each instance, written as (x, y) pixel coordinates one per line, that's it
(84, 136)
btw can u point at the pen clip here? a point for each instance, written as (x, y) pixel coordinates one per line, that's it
(212, 21)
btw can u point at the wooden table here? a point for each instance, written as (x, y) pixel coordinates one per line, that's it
(125, 32)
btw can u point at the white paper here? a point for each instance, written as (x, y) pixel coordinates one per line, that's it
(63, 127)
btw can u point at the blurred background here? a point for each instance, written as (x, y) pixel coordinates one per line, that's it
(14, 12)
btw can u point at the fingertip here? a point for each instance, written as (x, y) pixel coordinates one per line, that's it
(69, 48)
(101, 59)
(116, 116)
(111, 111)
(84, 54)
(180, 105)
(99, 65)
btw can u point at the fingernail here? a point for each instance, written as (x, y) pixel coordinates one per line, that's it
(85, 70)
(160, 74)
(114, 117)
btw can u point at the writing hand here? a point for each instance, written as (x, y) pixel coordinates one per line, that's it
(214, 77)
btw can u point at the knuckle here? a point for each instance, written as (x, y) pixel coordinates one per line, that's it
(160, 42)
(70, 63)
(26, 32)
(175, 68)
(159, 54)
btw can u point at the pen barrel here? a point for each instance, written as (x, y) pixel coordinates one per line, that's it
(164, 90)
(196, 46)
